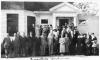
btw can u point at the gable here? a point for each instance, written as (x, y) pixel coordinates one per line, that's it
(64, 7)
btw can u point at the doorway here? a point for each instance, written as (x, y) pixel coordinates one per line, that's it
(62, 22)
(30, 21)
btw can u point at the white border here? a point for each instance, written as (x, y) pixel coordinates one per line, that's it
(69, 57)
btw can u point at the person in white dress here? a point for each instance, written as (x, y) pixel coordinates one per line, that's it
(43, 43)
(62, 44)
(50, 42)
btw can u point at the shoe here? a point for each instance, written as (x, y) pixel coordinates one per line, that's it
(6, 56)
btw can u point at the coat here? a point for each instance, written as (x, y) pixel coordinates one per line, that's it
(7, 42)
(79, 47)
(38, 42)
(16, 42)
(31, 41)
(23, 41)
(67, 44)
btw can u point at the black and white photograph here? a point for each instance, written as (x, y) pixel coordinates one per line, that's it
(45, 29)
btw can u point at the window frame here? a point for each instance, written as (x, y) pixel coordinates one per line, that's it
(81, 20)
(45, 20)
(15, 25)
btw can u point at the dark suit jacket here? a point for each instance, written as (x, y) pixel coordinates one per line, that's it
(16, 42)
(38, 42)
(7, 42)
(23, 41)
(31, 41)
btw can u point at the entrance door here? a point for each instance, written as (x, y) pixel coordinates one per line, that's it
(30, 21)
(62, 22)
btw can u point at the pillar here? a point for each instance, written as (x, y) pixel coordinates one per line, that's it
(75, 22)
(54, 22)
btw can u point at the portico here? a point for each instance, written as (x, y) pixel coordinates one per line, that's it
(59, 12)
(71, 17)
(64, 10)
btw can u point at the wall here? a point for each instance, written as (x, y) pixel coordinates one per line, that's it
(27, 13)
(92, 25)
(22, 21)
(44, 16)
(21, 24)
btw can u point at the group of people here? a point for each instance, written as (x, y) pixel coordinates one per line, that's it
(44, 40)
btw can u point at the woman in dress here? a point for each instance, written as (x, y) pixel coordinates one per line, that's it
(37, 30)
(50, 42)
(62, 45)
(43, 44)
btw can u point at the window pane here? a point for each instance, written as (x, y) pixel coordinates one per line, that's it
(12, 24)
(44, 21)
(82, 22)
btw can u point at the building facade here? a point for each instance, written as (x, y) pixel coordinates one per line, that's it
(21, 20)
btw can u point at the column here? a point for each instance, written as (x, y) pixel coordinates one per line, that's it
(75, 22)
(54, 22)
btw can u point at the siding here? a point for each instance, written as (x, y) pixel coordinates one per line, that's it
(92, 25)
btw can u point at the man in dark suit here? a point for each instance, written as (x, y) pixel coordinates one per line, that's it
(66, 25)
(74, 41)
(31, 44)
(33, 30)
(23, 45)
(38, 44)
(16, 43)
(79, 43)
(19, 37)
(7, 45)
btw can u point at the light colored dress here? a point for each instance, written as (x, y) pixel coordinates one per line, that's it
(37, 31)
(43, 45)
(62, 45)
(50, 42)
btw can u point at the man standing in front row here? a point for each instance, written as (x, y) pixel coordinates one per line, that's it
(7, 45)
(23, 45)
(31, 44)
(20, 38)
(16, 43)
(37, 44)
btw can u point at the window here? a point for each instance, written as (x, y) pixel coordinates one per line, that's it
(82, 22)
(12, 24)
(44, 21)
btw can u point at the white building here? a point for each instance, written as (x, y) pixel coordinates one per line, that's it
(57, 16)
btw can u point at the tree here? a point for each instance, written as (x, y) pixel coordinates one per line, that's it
(87, 7)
